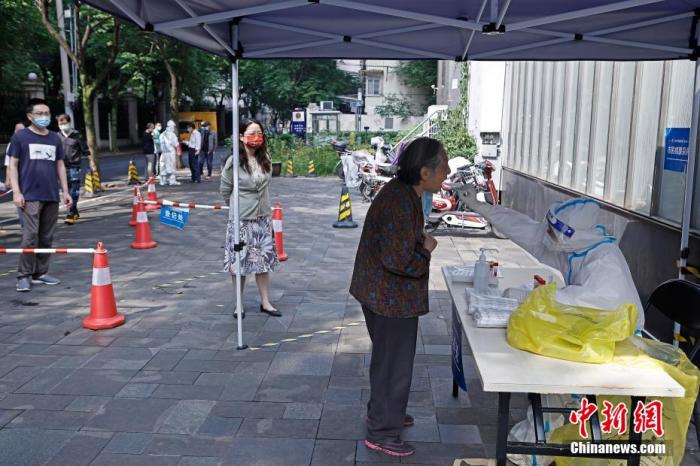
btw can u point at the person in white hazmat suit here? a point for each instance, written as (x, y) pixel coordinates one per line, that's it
(596, 273)
(571, 240)
(168, 158)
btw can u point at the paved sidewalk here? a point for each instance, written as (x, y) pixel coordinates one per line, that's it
(170, 388)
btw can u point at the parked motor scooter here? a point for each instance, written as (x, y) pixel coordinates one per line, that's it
(383, 156)
(449, 206)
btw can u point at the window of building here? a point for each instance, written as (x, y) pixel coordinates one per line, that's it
(388, 123)
(374, 86)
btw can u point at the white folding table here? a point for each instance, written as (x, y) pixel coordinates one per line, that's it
(505, 370)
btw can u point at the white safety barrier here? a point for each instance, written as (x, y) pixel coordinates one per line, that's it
(47, 251)
(187, 205)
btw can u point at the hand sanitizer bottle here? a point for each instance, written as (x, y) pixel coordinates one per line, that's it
(482, 270)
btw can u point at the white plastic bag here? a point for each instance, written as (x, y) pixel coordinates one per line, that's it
(524, 431)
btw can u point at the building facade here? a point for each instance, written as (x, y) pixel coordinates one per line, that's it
(381, 84)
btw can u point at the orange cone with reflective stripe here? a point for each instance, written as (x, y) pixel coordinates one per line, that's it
(103, 306)
(134, 207)
(152, 195)
(277, 228)
(143, 229)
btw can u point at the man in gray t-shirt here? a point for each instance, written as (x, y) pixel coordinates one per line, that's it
(36, 161)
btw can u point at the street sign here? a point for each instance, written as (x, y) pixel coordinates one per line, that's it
(676, 149)
(299, 122)
(174, 217)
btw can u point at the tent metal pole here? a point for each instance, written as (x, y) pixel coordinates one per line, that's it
(206, 28)
(130, 14)
(426, 18)
(228, 15)
(238, 245)
(502, 14)
(580, 13)
(518, 48)
(689, 187)
(289, 48)
(494, 12)
(643, 24)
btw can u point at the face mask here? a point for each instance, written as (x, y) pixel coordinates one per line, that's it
(158, 128)
(253, 140)
(65, 127)
(42, 121)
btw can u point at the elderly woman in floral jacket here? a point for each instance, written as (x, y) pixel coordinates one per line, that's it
(259, 255)
(390, 280)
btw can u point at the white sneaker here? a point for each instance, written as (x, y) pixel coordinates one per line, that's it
(175, 183)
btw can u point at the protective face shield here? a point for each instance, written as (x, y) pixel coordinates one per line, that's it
(572, 226)
(170, 126)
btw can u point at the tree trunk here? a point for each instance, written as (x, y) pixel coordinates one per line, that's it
(113, 144)
(87, 99)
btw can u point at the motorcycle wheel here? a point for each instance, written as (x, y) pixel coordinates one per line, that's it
(431, 227)
(339, 171)
(367, 192)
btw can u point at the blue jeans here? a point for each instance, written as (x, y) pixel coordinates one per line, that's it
(74, 187)
(209, 159)
(427, 205)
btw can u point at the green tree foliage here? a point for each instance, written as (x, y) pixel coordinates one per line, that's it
(394, 105)
(26, 45)
(418, 73)
(284, 84)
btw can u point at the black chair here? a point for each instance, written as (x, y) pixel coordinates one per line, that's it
(679, 300)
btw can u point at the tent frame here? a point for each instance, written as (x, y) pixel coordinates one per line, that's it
(425, 22)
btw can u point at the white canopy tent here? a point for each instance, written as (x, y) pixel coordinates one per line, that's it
(414, 29)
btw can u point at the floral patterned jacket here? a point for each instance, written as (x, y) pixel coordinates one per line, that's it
(391, 265)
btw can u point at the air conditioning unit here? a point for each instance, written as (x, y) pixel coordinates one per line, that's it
(326, 105)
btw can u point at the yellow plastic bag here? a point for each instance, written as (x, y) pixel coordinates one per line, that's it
(543, 326)
(639, 352)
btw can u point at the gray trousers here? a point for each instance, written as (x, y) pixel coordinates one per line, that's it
(37, 232)
(390, 373)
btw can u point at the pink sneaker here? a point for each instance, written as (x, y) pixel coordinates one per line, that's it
(396, 448)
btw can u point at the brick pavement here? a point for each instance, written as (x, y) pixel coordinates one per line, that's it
(170, 388)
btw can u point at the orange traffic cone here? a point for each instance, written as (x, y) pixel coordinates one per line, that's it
(152, 195)
(103, 306)
(134, 206)
(277, 228)
(143, 229)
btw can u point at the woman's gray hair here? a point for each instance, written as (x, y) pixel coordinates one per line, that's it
(421, 152)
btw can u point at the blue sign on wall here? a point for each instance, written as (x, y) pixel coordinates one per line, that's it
(676, 149)
(299, 122)
(173, 217)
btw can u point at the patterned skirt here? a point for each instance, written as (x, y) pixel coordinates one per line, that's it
(259, 255)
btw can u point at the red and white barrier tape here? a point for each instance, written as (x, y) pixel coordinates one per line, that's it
(187, 205)
(5, 193)
(47, 251)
